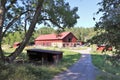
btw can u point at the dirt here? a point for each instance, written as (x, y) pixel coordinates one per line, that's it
(83, 69)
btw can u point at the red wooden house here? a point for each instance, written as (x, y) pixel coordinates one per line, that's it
(60, 40)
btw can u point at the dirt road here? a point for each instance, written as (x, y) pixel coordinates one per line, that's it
(82, 70)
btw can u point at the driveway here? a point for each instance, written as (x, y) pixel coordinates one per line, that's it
(81, 70)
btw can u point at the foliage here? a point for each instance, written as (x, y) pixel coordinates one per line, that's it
(43, 30)
(12, 37)
(59, 13)
(109, 26)
(23, 15)
(109, 71)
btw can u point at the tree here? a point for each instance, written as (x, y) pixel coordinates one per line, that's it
(12, 37)
(109, 25)
(45, 30)
(13, 12)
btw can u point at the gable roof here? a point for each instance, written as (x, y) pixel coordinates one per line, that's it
(52, 36)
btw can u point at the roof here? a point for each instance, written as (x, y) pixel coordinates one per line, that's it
(17, 43)
(52, 36)
(44, 51)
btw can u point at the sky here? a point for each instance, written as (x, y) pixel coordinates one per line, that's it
(86, 11)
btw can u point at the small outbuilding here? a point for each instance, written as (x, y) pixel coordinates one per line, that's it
(16, 44)
(104, 47)
(44, 55)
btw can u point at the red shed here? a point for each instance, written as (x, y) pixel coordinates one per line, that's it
(60, 40)
(16, 44)
(104, 47)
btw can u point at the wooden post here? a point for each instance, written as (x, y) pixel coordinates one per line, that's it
(42, 60)
(56, 59)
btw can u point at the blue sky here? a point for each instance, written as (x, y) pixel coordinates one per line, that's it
(86, 11)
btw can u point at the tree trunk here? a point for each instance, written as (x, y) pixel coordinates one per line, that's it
(2, 57)
(28, 34)
(25, 27)
(2, 17)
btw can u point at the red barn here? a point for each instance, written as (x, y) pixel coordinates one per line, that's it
(60, 40)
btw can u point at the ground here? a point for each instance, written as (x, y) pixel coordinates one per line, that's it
(81, 70)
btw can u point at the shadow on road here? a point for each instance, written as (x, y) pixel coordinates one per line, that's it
(83, 69)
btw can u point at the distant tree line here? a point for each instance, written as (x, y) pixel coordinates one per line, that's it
(82, 34)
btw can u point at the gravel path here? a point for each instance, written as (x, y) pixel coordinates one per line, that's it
(82, 70)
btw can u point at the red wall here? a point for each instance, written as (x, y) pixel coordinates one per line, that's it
(46, 42)
(73, 38)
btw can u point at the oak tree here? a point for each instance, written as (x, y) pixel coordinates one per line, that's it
(31, 12)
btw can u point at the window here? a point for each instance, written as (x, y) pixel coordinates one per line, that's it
(69, 39)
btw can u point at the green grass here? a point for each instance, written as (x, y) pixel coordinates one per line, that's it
(30, 71)
(64, 48)
(109, 71)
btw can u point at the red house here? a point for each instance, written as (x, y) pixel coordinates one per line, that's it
(60, 40)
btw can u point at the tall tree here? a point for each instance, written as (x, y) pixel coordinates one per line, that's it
(109, 25)
(2, 18)
(13, 12)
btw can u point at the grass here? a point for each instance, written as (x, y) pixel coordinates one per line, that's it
(64, 48)
(29, 71)
(109, 71)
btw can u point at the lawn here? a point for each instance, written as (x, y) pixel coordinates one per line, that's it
(30, 71)
(108, 70)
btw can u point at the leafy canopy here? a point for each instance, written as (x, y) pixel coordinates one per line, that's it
(16, 15)
(109, 25)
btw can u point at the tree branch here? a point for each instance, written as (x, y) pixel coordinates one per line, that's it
(53, 22)
(14, 20)
(12, 56)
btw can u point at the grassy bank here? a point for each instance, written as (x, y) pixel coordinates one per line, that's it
(30, 71)
(109, 71)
